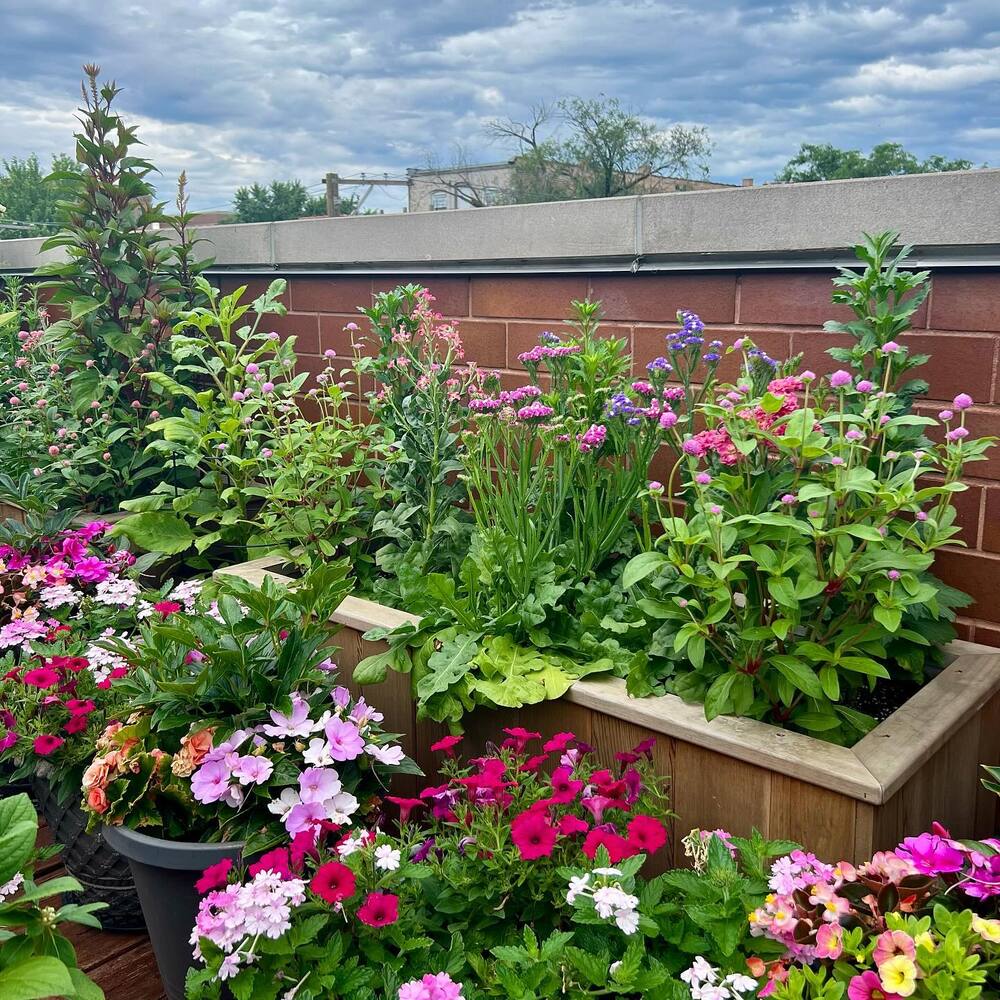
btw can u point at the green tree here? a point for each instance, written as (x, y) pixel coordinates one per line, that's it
(825, 162)
(28, 199)
(281, 200)
(596, 149)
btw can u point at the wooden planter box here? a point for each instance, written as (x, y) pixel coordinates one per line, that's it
(920, 764)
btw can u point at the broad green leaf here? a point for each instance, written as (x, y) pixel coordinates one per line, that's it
(35, 979)
(641, 566)
(156, 531)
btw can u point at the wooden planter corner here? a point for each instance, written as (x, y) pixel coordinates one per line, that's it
(919, 765)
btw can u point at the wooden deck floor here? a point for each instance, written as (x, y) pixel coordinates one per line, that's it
(121, 964)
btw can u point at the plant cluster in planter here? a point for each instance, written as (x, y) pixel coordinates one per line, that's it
(523, 875)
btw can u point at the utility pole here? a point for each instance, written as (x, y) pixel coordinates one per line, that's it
(333, 182)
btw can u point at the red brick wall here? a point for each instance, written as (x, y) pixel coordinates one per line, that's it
(782, 311)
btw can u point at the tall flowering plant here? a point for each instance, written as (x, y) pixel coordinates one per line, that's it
(267, 464)
(121, 281)
(237, 729)
(422, 382)
(806, 549)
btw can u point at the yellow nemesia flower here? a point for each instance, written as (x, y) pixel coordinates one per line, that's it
(988, 930)
(898, 975)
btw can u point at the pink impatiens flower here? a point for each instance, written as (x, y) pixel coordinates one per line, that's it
(344, 740)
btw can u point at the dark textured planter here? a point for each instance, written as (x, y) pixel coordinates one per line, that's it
(165, 872)
(101, 870)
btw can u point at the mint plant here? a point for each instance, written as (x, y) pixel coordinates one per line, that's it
(36, 960)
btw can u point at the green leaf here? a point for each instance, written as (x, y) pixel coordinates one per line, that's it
(641, 566)
(798, 673)
(18, 830)
(156, 531)
(717, 698)
(888, 618)
(35, 979)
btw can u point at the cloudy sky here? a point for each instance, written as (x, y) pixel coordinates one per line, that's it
(237, 91)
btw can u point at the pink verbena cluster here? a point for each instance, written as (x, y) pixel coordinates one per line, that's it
(431, 987)
(234, 917)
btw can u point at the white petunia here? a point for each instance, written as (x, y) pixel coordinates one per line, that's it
(387, 858)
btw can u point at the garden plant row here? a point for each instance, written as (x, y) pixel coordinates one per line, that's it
(585, 734)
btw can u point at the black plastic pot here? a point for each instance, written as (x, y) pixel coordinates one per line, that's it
(165, 872)
(104, 874)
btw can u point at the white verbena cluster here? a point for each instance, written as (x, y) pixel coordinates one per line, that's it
(610, 900)
(705, 984)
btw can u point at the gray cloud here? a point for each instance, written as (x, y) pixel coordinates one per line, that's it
(236, 92)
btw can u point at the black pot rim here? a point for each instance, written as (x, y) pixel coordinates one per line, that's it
(178, 855)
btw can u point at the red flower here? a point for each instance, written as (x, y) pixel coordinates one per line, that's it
(276, 861)
(406, 806)
(41, 677)
(167, 608)
(646, 834)
(519, 738)
(46, 744)
(334, 882)
(618, 848)
(75, 724)
(77, 707)
(532, 764)
(380, 909)
(533, 835)
(571, 825)
(447, 744)
(559, 742)
(304, 843)
(214, 876)
(564, 787)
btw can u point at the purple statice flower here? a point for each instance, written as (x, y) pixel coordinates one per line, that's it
(711, 357)
(643, 388)
(521, 394)
(659, 365)
(620, 404)
(534, 411)
(759, 355)
(485, 405)
(548, 337)
(592, 438)
(344, 740)
(691, 321)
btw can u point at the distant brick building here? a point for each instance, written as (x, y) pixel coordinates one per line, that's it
(436, 190)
